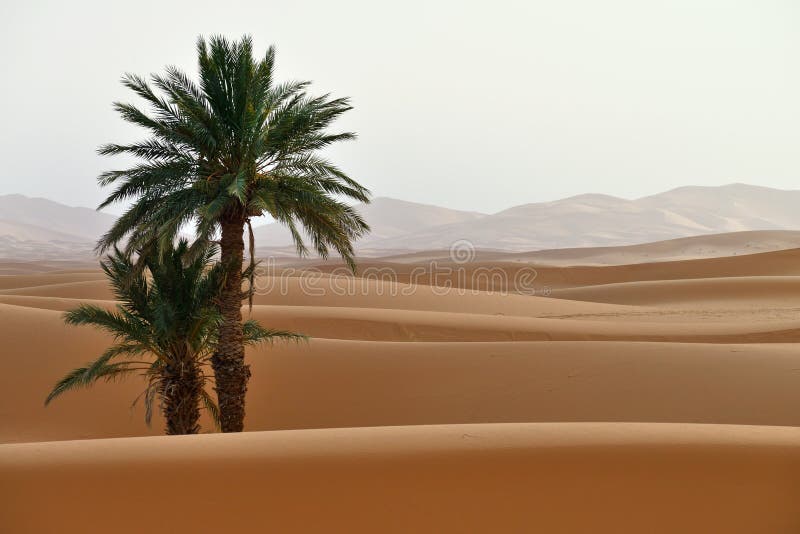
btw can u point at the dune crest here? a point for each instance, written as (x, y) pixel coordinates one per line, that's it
(454, 478)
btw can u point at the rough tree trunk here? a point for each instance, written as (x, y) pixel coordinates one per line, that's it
(182, 384)
(230, 371)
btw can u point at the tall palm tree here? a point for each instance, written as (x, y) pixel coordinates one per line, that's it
(165, 328)
(234, 146)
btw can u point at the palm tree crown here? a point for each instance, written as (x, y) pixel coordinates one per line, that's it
(235, 146)
(165, 328)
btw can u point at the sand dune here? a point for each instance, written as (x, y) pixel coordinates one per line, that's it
(94, 289)
(742, 291)
(30, 281)
(685, 248)
(328, 291)
(533, 279)
(343, 383)
(664, 390)
(556, 478)
(42, 267)
(401, 325)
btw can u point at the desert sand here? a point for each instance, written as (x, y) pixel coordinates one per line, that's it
(558, 478)
(641, 397)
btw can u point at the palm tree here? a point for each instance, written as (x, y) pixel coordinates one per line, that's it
(234, 146)
(165, 327)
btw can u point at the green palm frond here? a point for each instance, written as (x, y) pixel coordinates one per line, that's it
(211, 408)
(122, 324)
(83, 377)
(166, 317)
(254, 333)
(234, 143)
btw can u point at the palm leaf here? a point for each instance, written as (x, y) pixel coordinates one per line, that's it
(211, 407)
(255, 333)
(83, 377)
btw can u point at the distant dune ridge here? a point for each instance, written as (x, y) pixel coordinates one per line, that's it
(581, 221)
(37, 228)
(77, 223)
(32, 228)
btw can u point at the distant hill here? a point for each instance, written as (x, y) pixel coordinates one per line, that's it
(35, 227)
(83, 223)
(683, 248)
(602, 220)
(388, 218)
(32, 228)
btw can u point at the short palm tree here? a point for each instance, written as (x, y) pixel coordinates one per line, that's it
(165, 328)
(234, 146)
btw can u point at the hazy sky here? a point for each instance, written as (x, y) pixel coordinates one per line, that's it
(473, 105)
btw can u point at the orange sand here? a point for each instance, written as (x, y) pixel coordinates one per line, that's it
(655, 397)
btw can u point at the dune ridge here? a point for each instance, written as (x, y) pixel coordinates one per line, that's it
(459, 478)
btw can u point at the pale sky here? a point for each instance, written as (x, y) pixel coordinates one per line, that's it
(470, 105)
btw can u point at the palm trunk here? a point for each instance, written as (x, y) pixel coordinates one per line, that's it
(182, 384)
(230, 371)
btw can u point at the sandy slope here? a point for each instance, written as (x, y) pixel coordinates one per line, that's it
(331, 383)
(40, 281)
(533, 279)
(694, 247)
(743, 291)
(706, 341)
(555, 478)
